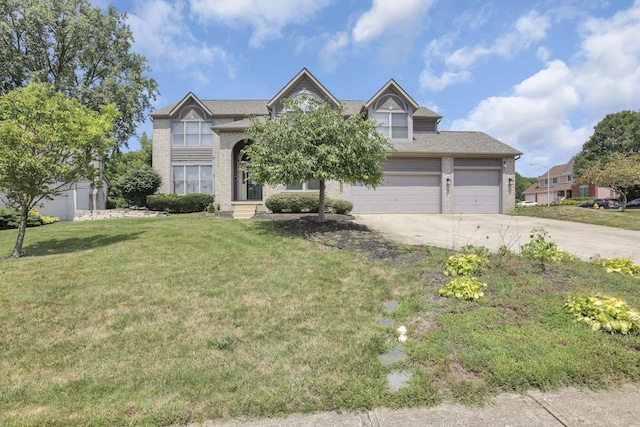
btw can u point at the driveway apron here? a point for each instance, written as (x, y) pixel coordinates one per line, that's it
(493, 231)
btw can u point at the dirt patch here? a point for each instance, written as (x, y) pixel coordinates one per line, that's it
(341, 232)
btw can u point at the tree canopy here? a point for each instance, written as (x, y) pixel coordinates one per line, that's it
(619, 172)
(48, 141)
(310, 140)
(616, 133)
(81, 51)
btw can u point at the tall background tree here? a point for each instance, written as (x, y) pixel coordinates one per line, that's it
(615, 133)
(311, 140)
(80, 50)
(522, 183)
(47, 142)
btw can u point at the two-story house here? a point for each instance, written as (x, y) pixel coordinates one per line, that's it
(198, 147)
(558, 184)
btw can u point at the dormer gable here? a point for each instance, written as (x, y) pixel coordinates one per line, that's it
(392, 88)
(190, 100)
(393, 109)
(303, 84)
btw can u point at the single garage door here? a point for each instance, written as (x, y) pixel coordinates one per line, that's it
(476, 191)
(399, 194)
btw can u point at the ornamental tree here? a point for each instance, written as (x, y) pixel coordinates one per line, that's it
(79, 49)
(310, 140)
(47, 142)
(620, 172)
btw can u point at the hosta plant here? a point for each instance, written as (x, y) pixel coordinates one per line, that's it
(604, 312)
(465, 287)
(620, 265)
(465, 264)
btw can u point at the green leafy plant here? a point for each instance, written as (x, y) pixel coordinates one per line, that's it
(465, 264)
(467, 288)
(194, 202)
(620, 265)
(604, 312)
(539, 248)
(481, 251)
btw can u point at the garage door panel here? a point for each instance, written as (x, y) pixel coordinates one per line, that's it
(476, 191)
(399, 194)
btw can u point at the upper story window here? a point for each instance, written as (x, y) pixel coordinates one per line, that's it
(554, 180)
(392, 115)
(569, 178)
(192, 128)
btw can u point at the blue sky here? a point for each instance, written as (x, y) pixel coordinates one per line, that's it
(537, 75)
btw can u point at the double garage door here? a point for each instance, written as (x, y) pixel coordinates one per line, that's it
(399, 194)
(414, 185)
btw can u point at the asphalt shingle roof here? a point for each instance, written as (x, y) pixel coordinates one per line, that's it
(455, 142)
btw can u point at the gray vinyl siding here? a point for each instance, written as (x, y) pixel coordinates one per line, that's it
(193, 155)
(421, 126)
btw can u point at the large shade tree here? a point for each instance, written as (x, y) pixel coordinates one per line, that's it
(616, 133)
(620, 172)
(310, 140)
(47, 142)
(79, 49)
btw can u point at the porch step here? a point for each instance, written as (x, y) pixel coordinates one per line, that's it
(245, 210)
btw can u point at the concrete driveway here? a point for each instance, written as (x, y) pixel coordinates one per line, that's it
(492, 231)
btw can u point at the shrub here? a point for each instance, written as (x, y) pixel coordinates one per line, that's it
(116, 203)
(620, 265)
(137, 184)
(305, 202)
(340, 206)
(465, 264)
(10, 218)
(467, 288)
(602, 311)
(195, 202)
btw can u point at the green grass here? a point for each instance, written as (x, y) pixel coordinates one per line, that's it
(189, 318)
(629, 219)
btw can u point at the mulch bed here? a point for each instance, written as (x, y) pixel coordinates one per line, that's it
(341, 232)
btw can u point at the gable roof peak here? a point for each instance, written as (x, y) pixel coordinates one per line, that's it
(398, 89)
(190, 97)
(304, 73)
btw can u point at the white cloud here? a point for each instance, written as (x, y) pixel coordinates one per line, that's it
(268, 18)
(534, 118)
(528, 29)
(163, 35)
(605, 78)
(396, 16)
(333, 49)
(609, 74)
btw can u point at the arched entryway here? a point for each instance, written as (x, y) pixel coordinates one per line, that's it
(244, 188)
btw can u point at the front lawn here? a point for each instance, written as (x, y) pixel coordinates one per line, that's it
(629, 219)
(188, 318)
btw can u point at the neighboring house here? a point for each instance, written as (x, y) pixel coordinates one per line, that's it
(562, 186)
(76, 196)
(198, 147)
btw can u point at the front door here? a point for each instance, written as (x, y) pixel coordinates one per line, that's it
(247, 188)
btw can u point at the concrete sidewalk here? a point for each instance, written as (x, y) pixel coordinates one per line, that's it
(569, 407)
(492, 231)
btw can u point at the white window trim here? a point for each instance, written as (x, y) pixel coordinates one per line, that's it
(375, 110)
(184, 181)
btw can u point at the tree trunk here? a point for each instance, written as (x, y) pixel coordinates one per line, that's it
(22, 228)
(321, 217)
